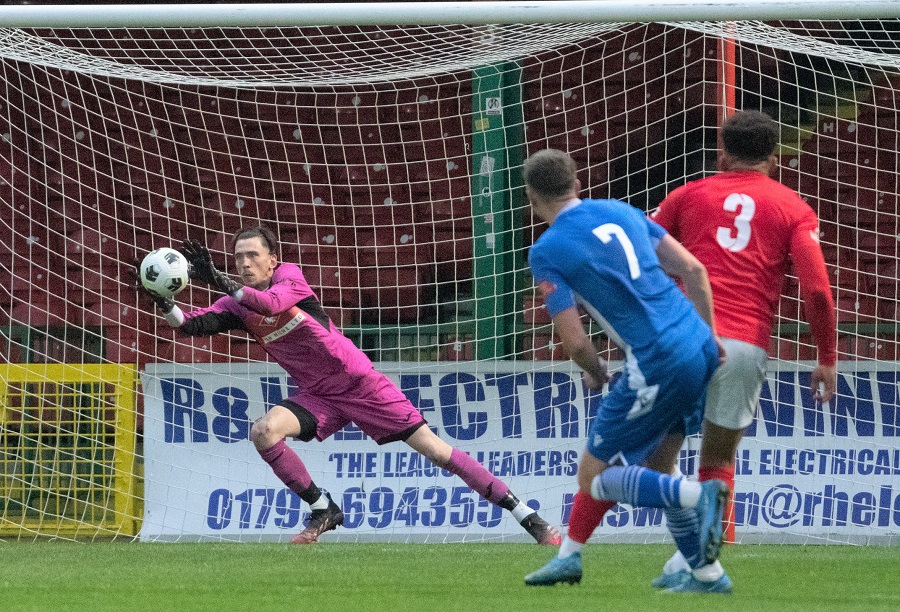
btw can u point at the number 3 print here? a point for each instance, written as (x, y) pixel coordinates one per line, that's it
(724, 235)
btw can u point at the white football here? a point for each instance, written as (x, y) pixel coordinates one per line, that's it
(164, 271)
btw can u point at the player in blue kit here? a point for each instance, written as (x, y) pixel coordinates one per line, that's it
(611, 259)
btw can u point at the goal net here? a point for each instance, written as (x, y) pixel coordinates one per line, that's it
(388, 160)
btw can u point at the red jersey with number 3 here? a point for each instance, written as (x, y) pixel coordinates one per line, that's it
(747, 228)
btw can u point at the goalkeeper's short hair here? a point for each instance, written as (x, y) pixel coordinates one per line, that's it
(268, 237)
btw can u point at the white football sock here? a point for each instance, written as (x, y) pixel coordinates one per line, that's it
(709, 573)
(521, 511)
(568, 548)
(689, 493)
(676, 563)
(319, 504)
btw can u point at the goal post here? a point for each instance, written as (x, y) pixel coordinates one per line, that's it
(432, 13)
(388, 158)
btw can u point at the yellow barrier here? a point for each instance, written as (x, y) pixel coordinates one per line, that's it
(67, 450)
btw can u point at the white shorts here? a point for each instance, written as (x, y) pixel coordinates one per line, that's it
(733, 392)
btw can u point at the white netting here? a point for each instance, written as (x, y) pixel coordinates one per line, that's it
(855, 43)
(289, 57)
(387, 158)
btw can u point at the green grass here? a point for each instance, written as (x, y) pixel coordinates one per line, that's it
(62, 577)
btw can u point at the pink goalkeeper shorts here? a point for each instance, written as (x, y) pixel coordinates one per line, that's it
(376, 406)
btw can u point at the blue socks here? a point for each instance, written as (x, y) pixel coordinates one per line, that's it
(638, 486)
(684, 524)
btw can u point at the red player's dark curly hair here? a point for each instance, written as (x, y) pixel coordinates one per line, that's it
(750, 135)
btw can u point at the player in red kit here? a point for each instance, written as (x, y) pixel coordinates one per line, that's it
(747, 228)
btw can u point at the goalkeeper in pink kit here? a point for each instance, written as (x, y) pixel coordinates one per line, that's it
(336, 382)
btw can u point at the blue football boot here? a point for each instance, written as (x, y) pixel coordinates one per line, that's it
(667, 581)
(557, 570)
(710, 510)
(692, 585)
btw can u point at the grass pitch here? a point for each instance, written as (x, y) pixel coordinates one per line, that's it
(99, 577)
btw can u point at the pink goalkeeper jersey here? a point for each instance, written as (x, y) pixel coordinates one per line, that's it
(321, 361)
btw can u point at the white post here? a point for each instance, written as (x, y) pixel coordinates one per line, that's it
(437, 13)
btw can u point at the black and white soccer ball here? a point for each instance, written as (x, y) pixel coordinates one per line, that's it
(165, 272)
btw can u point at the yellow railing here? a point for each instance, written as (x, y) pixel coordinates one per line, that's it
(67, 450)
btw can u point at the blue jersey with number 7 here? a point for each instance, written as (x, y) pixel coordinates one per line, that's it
(602, 254)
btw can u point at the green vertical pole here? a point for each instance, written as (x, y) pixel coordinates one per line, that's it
(496, 148)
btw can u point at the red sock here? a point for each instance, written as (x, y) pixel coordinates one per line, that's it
(725, 473)
(586, 514)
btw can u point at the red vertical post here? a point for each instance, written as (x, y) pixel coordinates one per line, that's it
(727, 78)
(727, 88)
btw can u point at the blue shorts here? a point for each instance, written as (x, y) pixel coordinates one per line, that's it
(637, 414)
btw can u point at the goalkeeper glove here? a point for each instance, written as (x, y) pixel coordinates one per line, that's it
(164, 304)
(202, 268)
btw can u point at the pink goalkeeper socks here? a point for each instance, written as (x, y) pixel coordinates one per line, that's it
(476, 476)
(287, 466)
